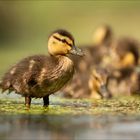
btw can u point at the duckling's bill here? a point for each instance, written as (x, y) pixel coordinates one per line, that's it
(76, 51)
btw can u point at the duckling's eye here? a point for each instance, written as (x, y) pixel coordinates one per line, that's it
(69, 44)
(64, 41)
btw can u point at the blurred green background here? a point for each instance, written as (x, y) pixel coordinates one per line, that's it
(25, 25)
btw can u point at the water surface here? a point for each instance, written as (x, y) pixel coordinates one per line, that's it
(67, 119)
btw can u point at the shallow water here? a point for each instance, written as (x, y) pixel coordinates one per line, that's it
(68, 127)
(65, 119)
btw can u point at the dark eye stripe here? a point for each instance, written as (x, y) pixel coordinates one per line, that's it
(63, 40)
(57, 38)
(68, 44)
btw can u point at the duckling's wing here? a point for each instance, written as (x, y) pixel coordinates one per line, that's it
(22, 76)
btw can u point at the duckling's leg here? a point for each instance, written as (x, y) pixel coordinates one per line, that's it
(27, 101)
(46, 100)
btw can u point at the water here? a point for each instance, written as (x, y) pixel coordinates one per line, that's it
(40, 127)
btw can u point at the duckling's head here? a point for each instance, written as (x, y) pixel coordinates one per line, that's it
(61, 42)
(98, 83)
(102, 35)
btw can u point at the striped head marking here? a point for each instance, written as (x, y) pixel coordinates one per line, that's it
(61, 42)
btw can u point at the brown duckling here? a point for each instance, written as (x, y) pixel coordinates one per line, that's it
(40, 76)
(95, 52)
(123, 66)
(98, 84)
(77, 88)
(93, 85)
(102, 35)
(127, 50)
(120, 81)
(127, 56)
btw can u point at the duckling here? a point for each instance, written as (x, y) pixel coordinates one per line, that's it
(123, 66)
(127, 57)
(77, 88)
(127, 50)
(120, 81)
(39, 76)
(93, 85)
(95, 52)
(98, 84)
(103, 35)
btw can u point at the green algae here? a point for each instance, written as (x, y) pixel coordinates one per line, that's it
(60, 106)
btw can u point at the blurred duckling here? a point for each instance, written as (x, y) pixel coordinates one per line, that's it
(102, 35)
(39, 76)
(120, 81)
(92, 86)
(77, 88)
(98, 84)
(125, 60)
(127, 50)
(95, 52)
(123, 67)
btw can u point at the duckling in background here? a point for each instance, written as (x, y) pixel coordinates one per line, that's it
(39, 76)
(94, 53)
(120, 82)
(92, 86)
(77, 88)
(98, 84)
(103, 35)
(127, 50)
(123, 66)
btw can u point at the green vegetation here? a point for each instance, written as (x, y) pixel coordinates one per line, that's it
(60, 106)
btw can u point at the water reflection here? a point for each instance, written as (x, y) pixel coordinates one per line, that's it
(42, 127)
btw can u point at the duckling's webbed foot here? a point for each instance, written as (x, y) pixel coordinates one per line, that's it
(46, 100)
(27, 101)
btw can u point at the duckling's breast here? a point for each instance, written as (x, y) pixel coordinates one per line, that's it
(52, 80)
